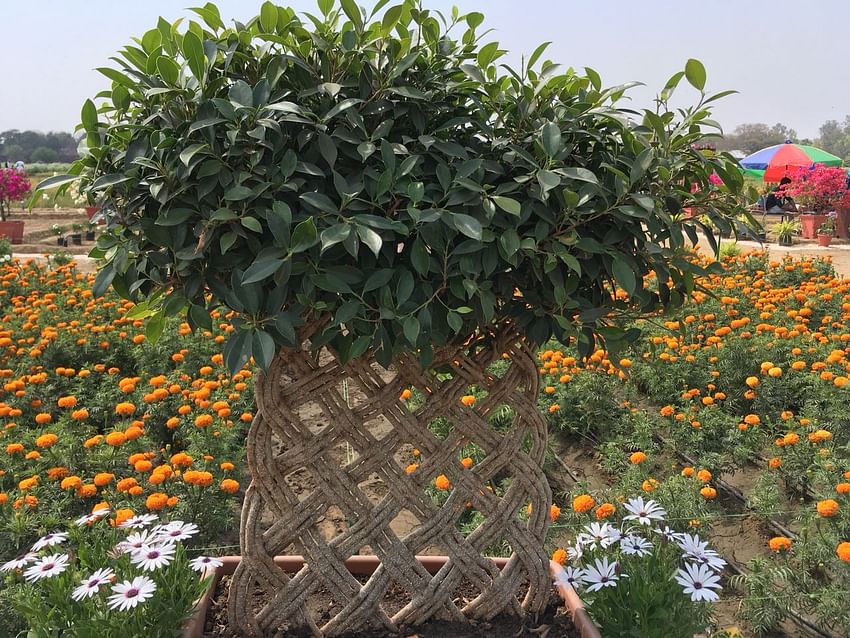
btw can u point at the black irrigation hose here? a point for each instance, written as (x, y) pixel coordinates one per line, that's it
(735, 493)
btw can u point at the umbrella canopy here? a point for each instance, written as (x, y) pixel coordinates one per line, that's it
(779, 160)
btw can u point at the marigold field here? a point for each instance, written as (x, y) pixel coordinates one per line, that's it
(732, 414)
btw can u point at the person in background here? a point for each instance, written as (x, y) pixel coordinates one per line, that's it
(777, 202)
(19, 166)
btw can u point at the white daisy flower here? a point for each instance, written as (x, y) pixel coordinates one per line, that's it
(575, 552)
(203, 563)
(602, 574)
(138, 522)
(698, 550)
(130, 593)
(667, 534)
(20, 561)
(152, 557)
(598, 533)
(47, 567)
(573, 576)
(49, 540)
(712, 559)
(91, 585)
(634, 545)
(698, 581)
(177, 531)
(136, 541)
(93, 517)
(644, 513)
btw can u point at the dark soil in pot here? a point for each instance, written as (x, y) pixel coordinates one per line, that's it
(555, 622)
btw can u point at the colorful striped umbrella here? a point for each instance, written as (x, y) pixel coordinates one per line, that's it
(780, 160)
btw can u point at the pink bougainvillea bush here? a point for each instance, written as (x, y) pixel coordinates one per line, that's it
(819, 189)
(14, 186)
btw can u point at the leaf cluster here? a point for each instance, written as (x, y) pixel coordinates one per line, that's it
(384, 173)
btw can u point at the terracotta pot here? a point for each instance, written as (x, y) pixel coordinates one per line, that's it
(842, 223)
(365, 566)
(809, 224)
(823, 240)
(13, 231)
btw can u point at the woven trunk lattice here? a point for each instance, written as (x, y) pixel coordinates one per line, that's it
(339, 427)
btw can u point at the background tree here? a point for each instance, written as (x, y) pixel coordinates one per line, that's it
(33, 146)
(835, 138)
(755, 136)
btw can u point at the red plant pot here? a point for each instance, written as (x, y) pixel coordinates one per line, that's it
(842, 223)
(823, 240)
(91, 211)
(366, 565)
(809, 224)
(13, 231)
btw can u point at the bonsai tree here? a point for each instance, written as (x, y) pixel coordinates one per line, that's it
(14, 186)
(380, 185)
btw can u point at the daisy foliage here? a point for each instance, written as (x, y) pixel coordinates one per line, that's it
(638, 574)
(109, 580)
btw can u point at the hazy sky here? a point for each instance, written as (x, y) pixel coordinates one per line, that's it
(789, 59)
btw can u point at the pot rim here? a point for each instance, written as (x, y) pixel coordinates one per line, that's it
(365, 565)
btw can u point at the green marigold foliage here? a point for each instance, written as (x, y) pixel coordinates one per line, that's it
(399, 183)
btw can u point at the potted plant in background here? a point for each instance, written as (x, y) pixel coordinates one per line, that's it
(90, 231)
(385, 223)
(58, 230)
(842, 221)
(14, 187)
(785, 231)
(817, 191)
(77, 235)
(826, 230)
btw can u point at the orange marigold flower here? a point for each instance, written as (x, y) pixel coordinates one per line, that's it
(56, 473)
(554, 512)
(4, 498)
(775, 372)
(405, 394)
(649, 485)
(688, 471)
(14, 448)
(71, 483)
(442, 482)
(230, 486)
(116, 438)
(752, 382)
(67, 402)
(843, 551)
(560, 556)
(80, 415)
(604, 511)
(103, 478)
(181, 459)
(121, 515)
(843, 488)
(86, 491)
(143, 466)
(46, 440)
(827, 508)
(91, 442)
(704, 476)
(246, 417)
(43, 418)
(752, 419)
(779, 544)
(583, 503)
(156, 501)
(466, 462)
(468, 400)
(819, 436)
(125, 484)
(136, 490)
(32, 456)
(708, 492)
(554, 408)
(203, 420)
(133, 432)
(774, 463)
(637, 458)
(411, 468)
(125, 409)
(226, 466)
